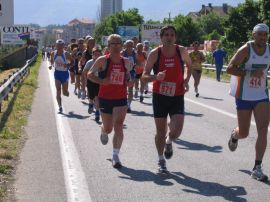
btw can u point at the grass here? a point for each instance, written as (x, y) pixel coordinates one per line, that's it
(13, 118)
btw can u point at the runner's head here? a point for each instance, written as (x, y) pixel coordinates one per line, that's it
(129, 45)
(59, 44)
(168, 35)
(115, 43)
(195, 45)
(139, 47)
(260, 34)
(97, 52)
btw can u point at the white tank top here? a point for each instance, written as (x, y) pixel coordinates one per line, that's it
(248, 87)
(60, 62)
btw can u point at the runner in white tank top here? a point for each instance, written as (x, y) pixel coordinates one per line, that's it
(249, 68)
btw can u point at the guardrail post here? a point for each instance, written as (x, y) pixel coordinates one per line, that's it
(11, 89)
(1, 107)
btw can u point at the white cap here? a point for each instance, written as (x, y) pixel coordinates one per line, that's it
(261, 28)
(59, 41)
(89, 37)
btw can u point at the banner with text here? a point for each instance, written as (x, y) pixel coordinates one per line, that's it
(150, 32)
(16, 34)
(128, 32)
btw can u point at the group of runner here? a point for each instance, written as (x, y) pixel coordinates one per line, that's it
(111, 75)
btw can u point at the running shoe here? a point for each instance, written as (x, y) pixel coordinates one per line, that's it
(128, 110)
(197, 94)
(162, 169)
(60, 109)
(168, 151)
(146, 91)
(83, 95)
(97, 116)
(104, 138)
(232, 145)
(75, 92)
(141, 98)
(116, 162)
(136, 94)
(258, 174)
(79, 94)
(90, 108)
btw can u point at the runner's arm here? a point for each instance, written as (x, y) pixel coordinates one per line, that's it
(151, 60)
(96, 67)
(239, 58)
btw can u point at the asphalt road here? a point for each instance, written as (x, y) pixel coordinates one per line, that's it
(63, 159)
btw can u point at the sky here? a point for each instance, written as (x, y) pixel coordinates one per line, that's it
(45, 12)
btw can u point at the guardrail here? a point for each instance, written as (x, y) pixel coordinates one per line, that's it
(7, 86)
(213, 67)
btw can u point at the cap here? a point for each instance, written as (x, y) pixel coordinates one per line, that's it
(89, 37)
(146, 42)
(261, 28)
(59, 41)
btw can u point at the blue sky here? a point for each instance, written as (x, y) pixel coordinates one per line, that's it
(44, 12)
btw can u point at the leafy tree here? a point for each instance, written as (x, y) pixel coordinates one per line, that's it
(265, 11)
(240, 22)
(210, 23)
(187, 31)
(108, 26)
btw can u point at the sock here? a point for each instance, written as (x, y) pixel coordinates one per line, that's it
(161, 157)
(168, 140)
(257, 163)
(116, 152)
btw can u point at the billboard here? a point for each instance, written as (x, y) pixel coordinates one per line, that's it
(16, 34)
(127, 32)
(6, 12)
(151, 32)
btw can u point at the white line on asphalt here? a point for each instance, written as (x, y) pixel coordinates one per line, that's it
(75, 181)
(217, 110)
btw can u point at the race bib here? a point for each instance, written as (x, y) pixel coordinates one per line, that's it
(117, 77)
(255, 82)
(167, 88)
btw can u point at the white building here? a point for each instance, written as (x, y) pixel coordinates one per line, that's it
(6, 12)
(110, 7)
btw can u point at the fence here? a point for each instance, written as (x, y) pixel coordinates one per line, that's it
(9, 83)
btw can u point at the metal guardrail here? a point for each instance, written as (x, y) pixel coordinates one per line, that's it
(9, 83)
(213, 67)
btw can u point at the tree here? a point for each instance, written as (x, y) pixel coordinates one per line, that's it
(265, 11)
(187, 31)
(108, 25)
(240, 23)
(210, 23)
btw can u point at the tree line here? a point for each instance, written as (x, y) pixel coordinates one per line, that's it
(232, 30)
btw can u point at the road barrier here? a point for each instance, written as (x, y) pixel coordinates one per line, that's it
(7, 86)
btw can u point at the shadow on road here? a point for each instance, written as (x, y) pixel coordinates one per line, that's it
(140, 113)
(198, 146)
(248, 172)
(75, 116)
(193, 114)
(194, 186)
(211, 98)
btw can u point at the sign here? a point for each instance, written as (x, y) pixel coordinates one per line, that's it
(150, 32)
(127, 32)
(6, 12)
(17, 34)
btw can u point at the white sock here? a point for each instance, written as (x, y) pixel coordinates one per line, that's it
(116, 152)
(161, 157)
(168, 140)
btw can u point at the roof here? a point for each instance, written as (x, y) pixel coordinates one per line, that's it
(81, 21)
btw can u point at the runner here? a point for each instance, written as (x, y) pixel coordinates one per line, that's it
(249, 68)
(86, 56)
(147, 49)
(169, 87)
(114, 75)
(130, 53)
(93, 88)
(59, 60)
(197, 58)
(43, 53)
(140, 62)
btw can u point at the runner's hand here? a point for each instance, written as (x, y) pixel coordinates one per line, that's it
(161, 75)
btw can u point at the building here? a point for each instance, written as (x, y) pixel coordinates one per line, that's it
(205, 10)
(7, 12)
(110, 7)
(78, 28)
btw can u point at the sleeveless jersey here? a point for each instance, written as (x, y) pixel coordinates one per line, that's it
(117, 89)
(248, 87)
(141, 58)
(60, 61)
(173, 83)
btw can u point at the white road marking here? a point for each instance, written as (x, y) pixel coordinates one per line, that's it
(75, 181)
(217, 110)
